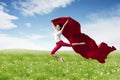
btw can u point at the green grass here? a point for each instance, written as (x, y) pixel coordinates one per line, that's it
(39, 65)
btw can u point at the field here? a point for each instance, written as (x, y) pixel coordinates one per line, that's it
(39, 65)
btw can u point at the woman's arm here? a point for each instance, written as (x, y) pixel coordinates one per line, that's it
(64, 25)
(53, 26)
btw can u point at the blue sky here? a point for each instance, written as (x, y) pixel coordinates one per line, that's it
(25, 24)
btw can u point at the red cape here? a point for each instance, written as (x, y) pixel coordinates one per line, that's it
(72, 32)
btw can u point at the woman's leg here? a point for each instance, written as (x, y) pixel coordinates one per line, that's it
(55, 49)
(73, 44)
(58, 46)
(65, 44)
(81, 43)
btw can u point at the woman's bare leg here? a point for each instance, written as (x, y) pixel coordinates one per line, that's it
(58, 57)
(81, 43)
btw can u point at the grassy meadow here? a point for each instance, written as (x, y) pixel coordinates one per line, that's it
(39, 65)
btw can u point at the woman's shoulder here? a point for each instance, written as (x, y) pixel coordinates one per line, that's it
(58, 31)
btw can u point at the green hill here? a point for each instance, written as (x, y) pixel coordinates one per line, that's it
(39, 65)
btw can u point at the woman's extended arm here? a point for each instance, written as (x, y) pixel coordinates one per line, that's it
(64, 25)
(53, 26)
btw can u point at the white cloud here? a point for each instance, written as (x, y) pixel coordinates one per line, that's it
(105, 29)
(6, 19)
(10, 42)
(32, 7)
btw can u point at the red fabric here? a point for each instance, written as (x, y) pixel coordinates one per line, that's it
(73, 33)
(59, 45)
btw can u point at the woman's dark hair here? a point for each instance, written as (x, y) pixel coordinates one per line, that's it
(60, 25)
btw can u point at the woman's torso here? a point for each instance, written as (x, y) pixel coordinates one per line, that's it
(57, 36)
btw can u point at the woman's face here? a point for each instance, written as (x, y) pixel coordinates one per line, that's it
(57, 27)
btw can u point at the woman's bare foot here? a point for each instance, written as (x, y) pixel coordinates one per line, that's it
(81, 43)
(61, 59)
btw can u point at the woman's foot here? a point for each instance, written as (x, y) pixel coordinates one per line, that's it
(61, 59)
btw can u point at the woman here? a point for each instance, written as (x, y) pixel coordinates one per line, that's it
(59, 43)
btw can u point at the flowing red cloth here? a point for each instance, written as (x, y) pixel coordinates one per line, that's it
(72, 32)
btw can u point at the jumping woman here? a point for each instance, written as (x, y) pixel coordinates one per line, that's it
(58, 29)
